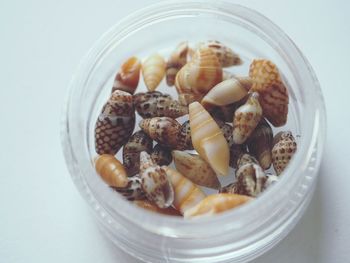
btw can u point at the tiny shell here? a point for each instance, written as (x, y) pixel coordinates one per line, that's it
(216, 203)
(115, 123)
(273, 93)
(128, 76)
(155, 183)
(260, 143)
(208, 140)
(111, 170)
(137, 143)
(246, 119)
(283, 150)
(164, 130)
(161, 155)
(187, 194)
(133, 191)
(196, 169)
(184, 137)
(153, 71)
(146, 204)
(176, 61)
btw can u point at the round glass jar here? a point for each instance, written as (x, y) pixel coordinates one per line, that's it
(238, 235)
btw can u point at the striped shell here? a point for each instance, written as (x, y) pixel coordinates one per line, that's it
(154, 182)
(128, 76)
(186, 193)
(137, 143)
(208, 140)
(115, 123)
(198, 76)
(133, 190)
(184, 137)
(176, 61)
(146, 204)
(161, 155)
(246, 119)
(193, 167)
(283, 150)
(215, 204)
(273, 93)
(153, 71)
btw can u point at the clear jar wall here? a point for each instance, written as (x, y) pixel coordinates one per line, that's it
(245, 232)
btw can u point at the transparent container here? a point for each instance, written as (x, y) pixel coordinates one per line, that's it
(238, 235)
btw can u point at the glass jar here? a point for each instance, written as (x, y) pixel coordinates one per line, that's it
(235, 236)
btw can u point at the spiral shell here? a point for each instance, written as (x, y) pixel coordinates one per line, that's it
(146, 204)
(128, 76)
(273, 93)
(155, 183)
(246, 119)
(115, 123)
(164, 130)
(111, 170)
(184, 137)
(137, 143)
(193, 167)
(187, 194)
(133, 190)
(176, 61)
(215, 204)
(284, 147)
(225, 54)
(153, 71)
(161, 155)
(260, 143)
(208, 140)
(198, 76)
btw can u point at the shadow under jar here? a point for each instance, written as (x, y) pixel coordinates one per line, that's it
(238, 235)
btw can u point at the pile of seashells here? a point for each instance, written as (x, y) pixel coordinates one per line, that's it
(228, 125)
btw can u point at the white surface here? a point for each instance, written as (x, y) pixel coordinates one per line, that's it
(42, 216)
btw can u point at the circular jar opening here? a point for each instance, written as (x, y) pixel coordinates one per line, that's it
(242, 233)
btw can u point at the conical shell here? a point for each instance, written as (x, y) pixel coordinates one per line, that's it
(176, 61)
(283, 150)
(246, 119)
(184, 137)
(137, 143)
(133, 190)
(111, 170)
(146, 204)
(164, 130)
(215, 204)
(198, 76)
(225, 54)
(196, 169)
(208, 140)
(260, 144)
(273, 93)
(187, 194)
(227, 92)
(128, 76)
(115, 123)
(155, 104)
(153, 71)
(161, 155)
(155, 183)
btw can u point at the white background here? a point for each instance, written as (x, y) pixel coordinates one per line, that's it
(42, 216)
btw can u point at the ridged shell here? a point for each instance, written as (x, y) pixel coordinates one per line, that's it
(184, 137)
(198, 76)
(195, 169)
(225, 54)
(208, 140)
(164, 130)
(133, 190)
(111, 170)
(260, 144)
(227, 92)
(155, 183)
(176, 61)
(146, 204)
(137, 143)
(153, 71)
(273, 93)
(283, 150)
(155, 104)
(128, 76)
(187, 194)
(246, 119)
(161, 155)
(215, 204)
(115, 123)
